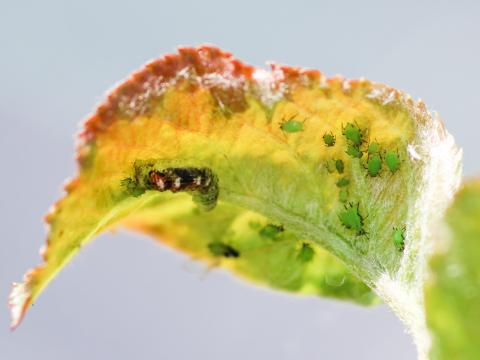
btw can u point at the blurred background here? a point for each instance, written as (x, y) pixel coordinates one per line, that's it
(124, 296)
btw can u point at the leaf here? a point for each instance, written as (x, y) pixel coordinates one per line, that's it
(268, 254)
(453, 289)
(228, 163)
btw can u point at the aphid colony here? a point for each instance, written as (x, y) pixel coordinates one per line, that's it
(355, 137)
(350, 217)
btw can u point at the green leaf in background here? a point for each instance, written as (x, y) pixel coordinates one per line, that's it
(453, 289)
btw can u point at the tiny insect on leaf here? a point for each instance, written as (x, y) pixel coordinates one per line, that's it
(340, 166)
(343, 182)
(329, 139)
(353, 134)
(343, 195)
(354, 151)
(271, 230)
(374, 165)
(399, 238)
(292, 126)
(219, 248)
(306, 253)
(351, 218)
(392, 160)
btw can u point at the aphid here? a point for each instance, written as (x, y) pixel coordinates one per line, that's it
(271, 230)
(399, 238)
(354, 151)
(292, 125)
(352, 219)
(219, 248)
(339, 166)
(353, 134)
(329, 139)
(343, 195)
(306, 253)
(343, 182)
(374, 165)
(132, 187)
(330, 165)
(373, 148)
(392, 160)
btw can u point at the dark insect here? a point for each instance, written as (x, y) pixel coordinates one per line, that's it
(306, 253)
(181, 179)
(271, 230)
(200, 180)
(340, 166)
(343, 182)
(219, 248)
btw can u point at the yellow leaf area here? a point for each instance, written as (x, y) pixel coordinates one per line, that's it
(453, 292)
(231, 165)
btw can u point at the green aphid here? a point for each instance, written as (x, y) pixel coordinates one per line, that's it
(354, 151)
(306, 253)
(343, 182)
(132, 188)
(292, 126)
(373, 148)
(271, 230)
(353, 134)
(340, 166)
(343, 195)
(219, 248)
(329, 139)
(374, 165)
(392, 160)
(399, 238)
(330, 165)
(352, 219)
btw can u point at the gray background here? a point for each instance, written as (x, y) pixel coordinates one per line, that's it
(125, 297)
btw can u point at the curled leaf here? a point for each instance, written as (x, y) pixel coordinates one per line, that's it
(243, 167)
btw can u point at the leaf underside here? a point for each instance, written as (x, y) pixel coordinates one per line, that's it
(269, 174)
